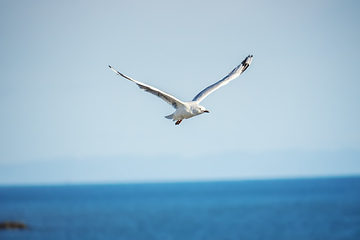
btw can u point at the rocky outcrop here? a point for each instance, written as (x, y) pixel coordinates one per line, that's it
(12, 225)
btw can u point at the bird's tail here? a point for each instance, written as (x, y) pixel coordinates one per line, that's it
(169, 116)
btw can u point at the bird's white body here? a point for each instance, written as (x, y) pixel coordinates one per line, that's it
(185, 110)
(188, 110)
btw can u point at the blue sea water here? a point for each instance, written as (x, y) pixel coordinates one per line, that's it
(327, 208)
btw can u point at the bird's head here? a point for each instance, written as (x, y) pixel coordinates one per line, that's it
(203, 110)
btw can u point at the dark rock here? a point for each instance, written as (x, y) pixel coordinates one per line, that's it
(12, 225)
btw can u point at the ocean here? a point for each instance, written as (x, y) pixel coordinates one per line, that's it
(323, 208)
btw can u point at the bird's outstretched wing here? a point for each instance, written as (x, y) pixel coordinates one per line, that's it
(173, 101)
(231, 76)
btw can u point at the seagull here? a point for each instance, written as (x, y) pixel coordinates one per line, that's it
(185, 110)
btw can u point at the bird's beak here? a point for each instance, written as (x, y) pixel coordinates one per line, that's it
(206, 111)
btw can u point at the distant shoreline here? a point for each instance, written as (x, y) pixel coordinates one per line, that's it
(191, 181)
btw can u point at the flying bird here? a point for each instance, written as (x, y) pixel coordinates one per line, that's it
(185, 110)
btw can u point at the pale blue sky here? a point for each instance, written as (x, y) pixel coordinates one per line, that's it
(66, 117)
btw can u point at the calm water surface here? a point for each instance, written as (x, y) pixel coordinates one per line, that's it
(267, 209)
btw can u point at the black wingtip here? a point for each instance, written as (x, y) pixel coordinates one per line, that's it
(109, 66)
